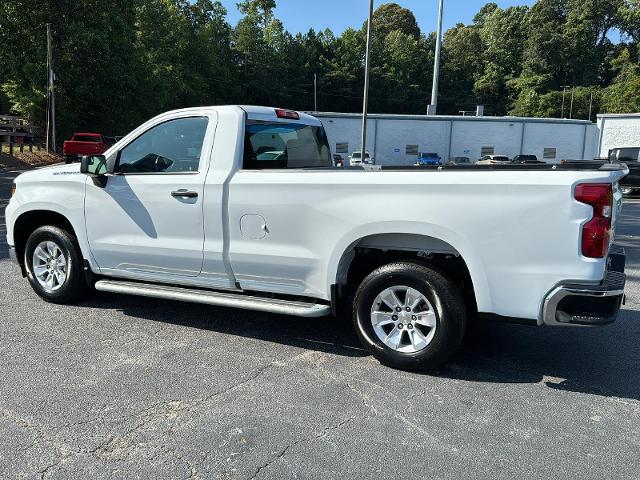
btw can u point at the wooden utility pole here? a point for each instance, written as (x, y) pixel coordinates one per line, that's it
(51, 96)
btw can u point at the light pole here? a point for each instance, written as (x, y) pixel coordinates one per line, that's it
(367, 67)
(315, 92)
(564, 92)
(573, 91)
(433, 108)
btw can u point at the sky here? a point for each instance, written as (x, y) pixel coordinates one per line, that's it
(300, 15)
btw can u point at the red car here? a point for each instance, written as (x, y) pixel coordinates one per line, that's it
(84, 144)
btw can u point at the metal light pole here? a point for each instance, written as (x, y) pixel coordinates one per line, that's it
(573, 91)
(433, 108)
(367, 67)
(564, 92)
(315, 92)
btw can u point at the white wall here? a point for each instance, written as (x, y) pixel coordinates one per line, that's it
(616, 131)
(461, 137)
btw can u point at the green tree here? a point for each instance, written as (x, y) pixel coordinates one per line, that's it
(623, 96)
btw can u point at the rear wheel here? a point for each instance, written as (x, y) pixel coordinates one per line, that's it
(53, 263)
(409, 316)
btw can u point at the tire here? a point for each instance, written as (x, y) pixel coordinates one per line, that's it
(437, 325)
(51, 242)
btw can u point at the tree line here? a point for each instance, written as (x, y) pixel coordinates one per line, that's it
(119, 62)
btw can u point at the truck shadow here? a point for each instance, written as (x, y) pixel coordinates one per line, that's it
(602, 361)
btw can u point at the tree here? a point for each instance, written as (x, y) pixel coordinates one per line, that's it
(391, 17)
(502, 35)
(623, 95)
(462, 66)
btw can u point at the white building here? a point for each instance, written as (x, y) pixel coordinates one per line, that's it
(397, 139)
(618, 131)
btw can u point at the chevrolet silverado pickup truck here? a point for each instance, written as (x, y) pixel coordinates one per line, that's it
(82, 144)
(242, 207)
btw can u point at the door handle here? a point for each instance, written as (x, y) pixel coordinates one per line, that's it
(184, 194)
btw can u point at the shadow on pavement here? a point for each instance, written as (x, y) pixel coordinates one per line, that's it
(601, 361)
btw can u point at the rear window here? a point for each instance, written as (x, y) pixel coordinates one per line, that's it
(86, 138)
(285, 145)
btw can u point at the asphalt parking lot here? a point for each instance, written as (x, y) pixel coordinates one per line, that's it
(124, 387)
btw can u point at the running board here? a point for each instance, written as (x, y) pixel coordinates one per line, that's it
(218, 299)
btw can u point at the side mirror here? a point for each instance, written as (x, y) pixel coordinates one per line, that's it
(94, 165)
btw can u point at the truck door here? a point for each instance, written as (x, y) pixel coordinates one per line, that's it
(148, 220)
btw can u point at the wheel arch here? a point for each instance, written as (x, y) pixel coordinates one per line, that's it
(440, 249)
(31, 220)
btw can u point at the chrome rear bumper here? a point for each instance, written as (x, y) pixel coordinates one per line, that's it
(588, 305)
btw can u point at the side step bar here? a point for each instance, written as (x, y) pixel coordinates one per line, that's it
(218, 299)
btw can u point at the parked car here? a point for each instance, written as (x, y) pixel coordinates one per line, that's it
(184, 208)
(459, 161)
(429, 159)
(630, 156)
(494, 160)
(527, 160)
(84, 144)
(355, 159)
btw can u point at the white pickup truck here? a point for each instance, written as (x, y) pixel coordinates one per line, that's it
(241, 207)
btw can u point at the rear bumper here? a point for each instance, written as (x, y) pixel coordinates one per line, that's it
(588, 305)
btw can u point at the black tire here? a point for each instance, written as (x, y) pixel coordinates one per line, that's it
(74, 286)
(448, 305)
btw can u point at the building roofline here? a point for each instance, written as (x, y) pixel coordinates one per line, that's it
(619, 115)
(447, 118)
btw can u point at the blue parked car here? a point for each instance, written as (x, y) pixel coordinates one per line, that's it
(429, 159)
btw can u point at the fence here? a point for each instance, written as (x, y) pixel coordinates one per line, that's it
(17, 133)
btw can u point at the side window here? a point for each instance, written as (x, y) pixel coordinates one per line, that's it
(285, 146)
(171, 147)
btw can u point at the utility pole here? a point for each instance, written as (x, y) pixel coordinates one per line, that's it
(573, 91)
(433, 108)
(367, 68)
(51, 96)
(564, 92)
(315, 92)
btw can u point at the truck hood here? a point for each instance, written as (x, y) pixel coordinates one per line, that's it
(54, 172)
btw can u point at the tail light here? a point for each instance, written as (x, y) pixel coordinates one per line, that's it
(596, 233)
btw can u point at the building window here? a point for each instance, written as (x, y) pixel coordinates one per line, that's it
(342, 148)
(549, 154)
(412, 149)
(484, 151)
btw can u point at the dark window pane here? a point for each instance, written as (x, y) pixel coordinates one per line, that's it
(284, 145)
(171, 147)
(86, 138)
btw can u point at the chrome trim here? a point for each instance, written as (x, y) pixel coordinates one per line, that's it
(559, 293)
(218, 299)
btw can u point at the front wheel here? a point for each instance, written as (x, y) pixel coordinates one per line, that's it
(409, 316)
(53, 262)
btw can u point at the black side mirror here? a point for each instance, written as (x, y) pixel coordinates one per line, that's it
(96, 167)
